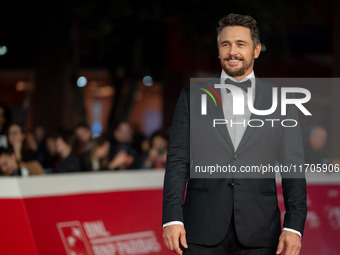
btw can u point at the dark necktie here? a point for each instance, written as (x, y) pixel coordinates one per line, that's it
(243, 85)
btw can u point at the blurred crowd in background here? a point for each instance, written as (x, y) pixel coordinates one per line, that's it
(32, 152)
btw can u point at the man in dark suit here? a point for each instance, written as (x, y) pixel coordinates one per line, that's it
(234, 214)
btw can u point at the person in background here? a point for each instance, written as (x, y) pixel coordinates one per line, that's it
(10, 166)
(31, 142)
(97, 158)
(158, 151)
(140, 143)
(155, 155)
(64, 147)
(315, 150)
(121, 151)
(51, 158)
(4, 121)
(39, 135)
(83, 139)
(122, 160)
(18, 143)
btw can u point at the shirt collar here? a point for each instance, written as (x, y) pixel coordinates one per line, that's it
(225, 76)
(251, 77)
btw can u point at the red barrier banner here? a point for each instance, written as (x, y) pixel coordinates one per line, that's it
(322, 228)
(120, 213)
(78, 214)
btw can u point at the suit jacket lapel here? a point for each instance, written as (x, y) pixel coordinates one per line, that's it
(217, 113)
(263, 101)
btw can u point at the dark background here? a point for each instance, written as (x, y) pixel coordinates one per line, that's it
(169, 40)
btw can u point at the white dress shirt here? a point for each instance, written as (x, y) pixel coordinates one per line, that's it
(236, 124)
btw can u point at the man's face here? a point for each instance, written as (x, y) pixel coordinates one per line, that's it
(236, 51)
(7, 163)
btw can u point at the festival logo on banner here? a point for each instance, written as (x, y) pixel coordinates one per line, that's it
(92, 238)
(334, 217)
(73, 237)
(313, 220)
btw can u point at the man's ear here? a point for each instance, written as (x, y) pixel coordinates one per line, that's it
(257, 51)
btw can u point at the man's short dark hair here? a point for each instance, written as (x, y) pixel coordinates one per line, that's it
(243, 21)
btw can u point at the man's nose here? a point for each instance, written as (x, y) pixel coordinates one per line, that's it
(232, 50)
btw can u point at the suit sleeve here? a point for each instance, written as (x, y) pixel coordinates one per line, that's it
(177, 164)
(293, 183)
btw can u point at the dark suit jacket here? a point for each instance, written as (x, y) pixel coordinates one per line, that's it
(210, 202)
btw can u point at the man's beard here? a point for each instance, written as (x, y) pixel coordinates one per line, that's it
(237, 72)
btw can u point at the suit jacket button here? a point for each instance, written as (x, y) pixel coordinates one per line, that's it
(231, 184)
(235, 157)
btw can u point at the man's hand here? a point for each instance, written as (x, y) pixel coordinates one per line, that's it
(171, 236)
(292, 242)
